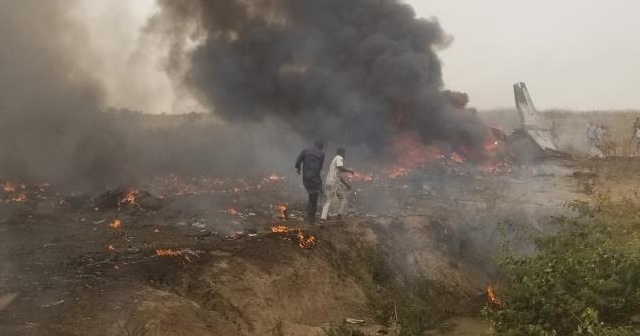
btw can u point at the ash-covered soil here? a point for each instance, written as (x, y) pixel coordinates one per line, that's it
(196, 256)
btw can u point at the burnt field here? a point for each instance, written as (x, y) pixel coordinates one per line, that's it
(201, 255)
(213, 249)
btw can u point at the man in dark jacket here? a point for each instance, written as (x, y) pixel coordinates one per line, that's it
(311, 159)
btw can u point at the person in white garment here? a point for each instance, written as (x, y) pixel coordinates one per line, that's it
(335, 186)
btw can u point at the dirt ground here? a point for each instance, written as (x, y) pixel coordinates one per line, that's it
(67, 271)
(197, 255)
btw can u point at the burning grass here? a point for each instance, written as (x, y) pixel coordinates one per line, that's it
(185, 256)
(305, 241)
(116, 223)
(129, 198)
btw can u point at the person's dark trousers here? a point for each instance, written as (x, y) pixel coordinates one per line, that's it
(312, 207)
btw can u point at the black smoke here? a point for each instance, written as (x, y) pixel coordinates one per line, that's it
(353, 71)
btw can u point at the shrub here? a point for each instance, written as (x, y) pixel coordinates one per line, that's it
(584, 280)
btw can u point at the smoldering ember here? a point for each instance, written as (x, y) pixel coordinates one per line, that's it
(443, 218)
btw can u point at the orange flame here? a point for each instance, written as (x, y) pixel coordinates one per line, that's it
(412, 153)
(168, 253)
(397, 171)
(493, 298)
(279, 229)
(359, 176)
(175, 253)
(129, 198)
(117, 223)
(110, 248)
(8, 187)
(232, 211)
(274, 177)
(305, 242)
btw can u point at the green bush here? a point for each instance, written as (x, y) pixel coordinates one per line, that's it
(584, 280)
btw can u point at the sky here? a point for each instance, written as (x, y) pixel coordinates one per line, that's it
(573, 54)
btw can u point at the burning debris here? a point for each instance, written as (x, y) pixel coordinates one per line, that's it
(185, 255)
(116, 199)
(494, 301)
(8, 187)
(21, 193)
(304, 241)
(232, 211)
(129, 199)
(360, 176)
(116, 223)
(274, 178)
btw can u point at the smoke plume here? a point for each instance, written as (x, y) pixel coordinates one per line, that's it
(353, 71)
(51, 127)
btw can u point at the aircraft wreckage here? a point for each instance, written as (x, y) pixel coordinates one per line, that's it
(535, 140)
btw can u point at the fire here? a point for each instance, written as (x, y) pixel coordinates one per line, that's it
(168, 253)
(412, 153)
(304, 241)
(397, 171)
(129, 198)
(232, 211)
(8, 187)
(279, 229)
(185, 255)
(117, 223)
(22, 197)
(493, 299)
(110, 248)
(493, 140)
(281, 211)
(274, 177)
(359, 176)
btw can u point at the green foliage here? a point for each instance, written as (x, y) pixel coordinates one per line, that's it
(584, 280)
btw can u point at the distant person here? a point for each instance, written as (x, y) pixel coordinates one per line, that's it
(591, 136)
(335, 185)
(637, 140)
(636, 125)
(599, 132)
(311, 161)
